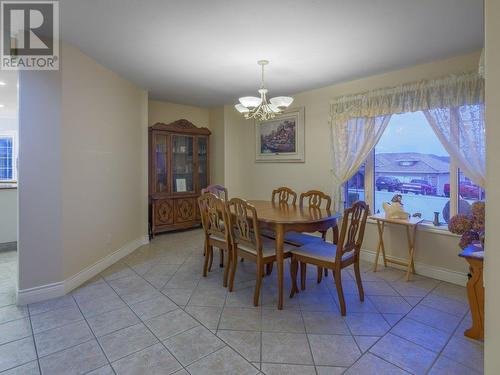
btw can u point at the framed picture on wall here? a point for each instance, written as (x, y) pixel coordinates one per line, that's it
(281, 139)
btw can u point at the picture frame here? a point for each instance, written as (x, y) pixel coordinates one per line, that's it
(180, 185)
(281, 139)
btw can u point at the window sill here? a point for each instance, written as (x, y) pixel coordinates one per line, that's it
(427, 226)
(5, 186)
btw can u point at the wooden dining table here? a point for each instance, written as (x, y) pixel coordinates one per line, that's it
(284, 218)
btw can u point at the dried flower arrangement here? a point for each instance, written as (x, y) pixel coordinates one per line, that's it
(470, 227)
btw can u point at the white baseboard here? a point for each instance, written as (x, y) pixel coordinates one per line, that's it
(427, 270)
(45, 292)
(40, 293)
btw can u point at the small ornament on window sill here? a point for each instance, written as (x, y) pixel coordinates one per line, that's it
(436, 219)
(394, 209)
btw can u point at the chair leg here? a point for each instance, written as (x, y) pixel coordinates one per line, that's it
(228, 267)
(320, 274)
(207, 259)
(340, 292)
(234, 256)
(221, 258)
(258, 283)
(210, 255)
(303, 268)
(294, 265)
(269, 268)
(358, 281)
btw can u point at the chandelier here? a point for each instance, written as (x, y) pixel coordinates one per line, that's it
(260, 108)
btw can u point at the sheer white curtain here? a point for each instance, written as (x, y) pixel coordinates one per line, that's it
(353, 139)
(450, 103)
(461, 131)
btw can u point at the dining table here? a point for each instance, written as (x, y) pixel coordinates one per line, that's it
(283, 218)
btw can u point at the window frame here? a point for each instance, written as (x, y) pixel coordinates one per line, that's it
(13, 135)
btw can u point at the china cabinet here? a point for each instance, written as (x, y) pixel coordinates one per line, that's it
(178, 170)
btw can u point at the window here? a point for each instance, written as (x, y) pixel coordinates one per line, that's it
(410, 160)
(468, 193)
(7, 157)
(355, 189)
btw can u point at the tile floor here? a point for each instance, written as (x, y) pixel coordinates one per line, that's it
(153, 313)
(8, 275)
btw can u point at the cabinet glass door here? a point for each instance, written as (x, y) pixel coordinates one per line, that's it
(161, 155)
(182, 163)
(203, 162)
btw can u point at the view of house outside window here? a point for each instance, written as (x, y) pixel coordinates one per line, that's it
(410, 160)
(468, 193)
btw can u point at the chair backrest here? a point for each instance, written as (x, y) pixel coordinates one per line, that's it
(315, 199)
(219, 190)
(244, 224)
(353, 230)
(284, 195)
(214, 216)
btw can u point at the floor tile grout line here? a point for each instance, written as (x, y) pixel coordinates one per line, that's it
(441, 352)
(219, 321)
(93, 334)
(145, 325)
(34, 344)
(308, 343)
(385, 360)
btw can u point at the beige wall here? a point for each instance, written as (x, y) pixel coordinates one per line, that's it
(40, 246)
(104, 121)
(238, 160)
(82, 168)
(168, 112)
(492, 257)
(256, 180)
(8, 197)
(216, 125)
(8, 218)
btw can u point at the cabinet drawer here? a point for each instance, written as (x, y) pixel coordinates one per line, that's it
(184, 209)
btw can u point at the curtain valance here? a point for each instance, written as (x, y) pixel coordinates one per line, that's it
(451, 91)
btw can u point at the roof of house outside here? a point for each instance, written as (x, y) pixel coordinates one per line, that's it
(411, 162)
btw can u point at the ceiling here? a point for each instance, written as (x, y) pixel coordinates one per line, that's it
(8, 93)
(204, 52)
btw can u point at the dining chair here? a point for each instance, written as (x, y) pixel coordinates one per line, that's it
(284, 195)
(248, 243)
(314, 200)
(219, 190)
(215, 222)
(335, 257)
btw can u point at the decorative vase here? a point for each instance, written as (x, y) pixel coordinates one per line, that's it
(436, 219)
